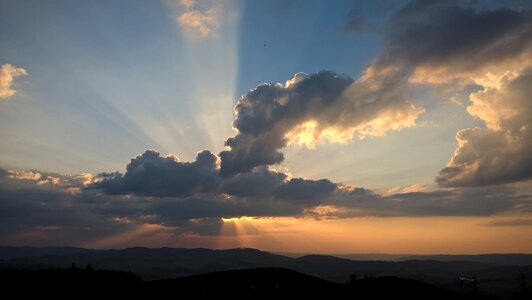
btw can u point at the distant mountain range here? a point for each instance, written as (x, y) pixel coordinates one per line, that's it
(509, 259)
(496, 273)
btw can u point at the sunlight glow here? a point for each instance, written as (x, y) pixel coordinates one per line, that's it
(212, 64)
(122, 239)
(309, 134)
(238, 219)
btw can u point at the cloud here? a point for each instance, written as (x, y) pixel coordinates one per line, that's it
(260, 182)
(7, 75)
(502, 152)
(448, 45)
(309, 191)
(511, 222)
(150, 174)
(310, 109)
(199, 16)
(36, 208)
(443, 40)
(49, 213)
(449, 202)
(72, 183)
(417, 187)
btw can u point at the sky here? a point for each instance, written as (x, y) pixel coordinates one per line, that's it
(301, 126)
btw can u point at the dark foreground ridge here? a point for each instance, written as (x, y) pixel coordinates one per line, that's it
(500, 277)
(256, 283)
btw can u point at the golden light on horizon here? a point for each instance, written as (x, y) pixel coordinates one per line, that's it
(418, 235)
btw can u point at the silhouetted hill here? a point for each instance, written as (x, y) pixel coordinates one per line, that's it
(250, 283)
(73, 282)
(165, 263)
(265, 282)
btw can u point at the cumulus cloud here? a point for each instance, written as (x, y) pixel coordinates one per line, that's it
(7, 74)
(312, 108)
(447, 44)
(198, 16)
(501, 152)
(489, 48)
(152, 175)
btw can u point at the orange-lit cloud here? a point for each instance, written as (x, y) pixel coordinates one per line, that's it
(313, 108)
(414, 188)
(496, 59)
(7, 74)
(199, 16)
(501, 152)
(310, 133)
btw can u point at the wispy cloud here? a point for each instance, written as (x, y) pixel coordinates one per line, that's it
(511, 222)
(200, 17)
